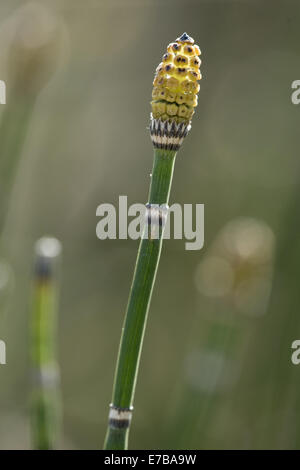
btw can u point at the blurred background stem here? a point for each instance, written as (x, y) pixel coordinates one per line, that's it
(13, 130)
(32, 58)
(45, 405)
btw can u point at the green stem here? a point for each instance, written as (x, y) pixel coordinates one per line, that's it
(45, 403)
(138, 304)
(14, 125)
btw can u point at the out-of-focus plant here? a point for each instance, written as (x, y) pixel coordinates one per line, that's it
(6, 284)
(278, 398)
(33, 54)
(45, 399)
(238, 266)
(174, 98)
(235, 278)
(35, 40)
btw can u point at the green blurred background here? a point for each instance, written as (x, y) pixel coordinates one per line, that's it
(216, 367)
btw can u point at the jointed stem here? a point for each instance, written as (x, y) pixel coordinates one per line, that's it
(137, 309)
(45, 403)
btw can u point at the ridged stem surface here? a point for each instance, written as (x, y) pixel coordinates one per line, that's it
(139, 301)
(45, 399)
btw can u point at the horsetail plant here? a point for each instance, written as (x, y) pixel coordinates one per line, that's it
(175, 89)
(45, 400)
(33, 57)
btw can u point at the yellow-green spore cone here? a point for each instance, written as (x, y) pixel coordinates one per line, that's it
(175, 85)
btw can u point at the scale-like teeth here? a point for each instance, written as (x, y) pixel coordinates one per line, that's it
(169, 134)
(175, 85)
